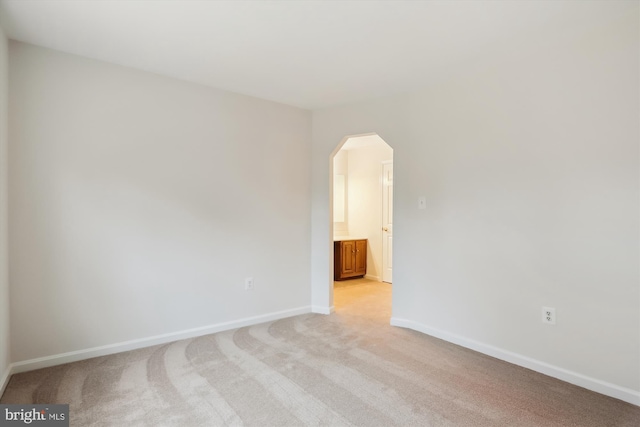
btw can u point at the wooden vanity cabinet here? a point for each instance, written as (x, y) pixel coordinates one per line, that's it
(350, 259)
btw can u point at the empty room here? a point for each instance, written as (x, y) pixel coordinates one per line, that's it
(345, 213)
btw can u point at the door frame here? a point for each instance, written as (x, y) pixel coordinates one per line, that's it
(389, 245)
(330, 266)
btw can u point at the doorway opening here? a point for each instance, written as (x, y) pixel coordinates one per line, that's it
(361, 178)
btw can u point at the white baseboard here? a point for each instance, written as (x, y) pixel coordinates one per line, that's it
(322, 310)
(593, 384)
(74, 356)
(371, 277)
(4, 379)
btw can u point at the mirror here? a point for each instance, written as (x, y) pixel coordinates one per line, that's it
(338, 198)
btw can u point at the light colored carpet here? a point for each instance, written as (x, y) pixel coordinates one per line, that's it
(350, 368)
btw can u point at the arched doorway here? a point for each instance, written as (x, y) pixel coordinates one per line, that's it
(361, 206)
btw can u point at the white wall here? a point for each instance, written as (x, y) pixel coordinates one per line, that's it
(4, 262)
(365, 201)
(530, 163)
(139, 203)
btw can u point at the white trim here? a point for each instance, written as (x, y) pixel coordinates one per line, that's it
(593, 384)
(4, 379)
(383, 262)
(322, 310)
(73, 356)
(372, 277)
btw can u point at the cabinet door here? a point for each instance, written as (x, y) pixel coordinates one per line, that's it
(348, 257)
(361, 257)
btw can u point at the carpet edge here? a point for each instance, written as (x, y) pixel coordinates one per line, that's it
(74, 356)
(575, 378)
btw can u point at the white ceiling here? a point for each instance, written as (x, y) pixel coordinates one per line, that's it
(366, 141)
(310, 54)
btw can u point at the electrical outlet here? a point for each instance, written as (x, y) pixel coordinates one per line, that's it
(248, 284)
(422, 202)
(549, 315)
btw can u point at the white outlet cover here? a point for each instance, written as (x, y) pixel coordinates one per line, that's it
(549, 315)
(422, 202)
